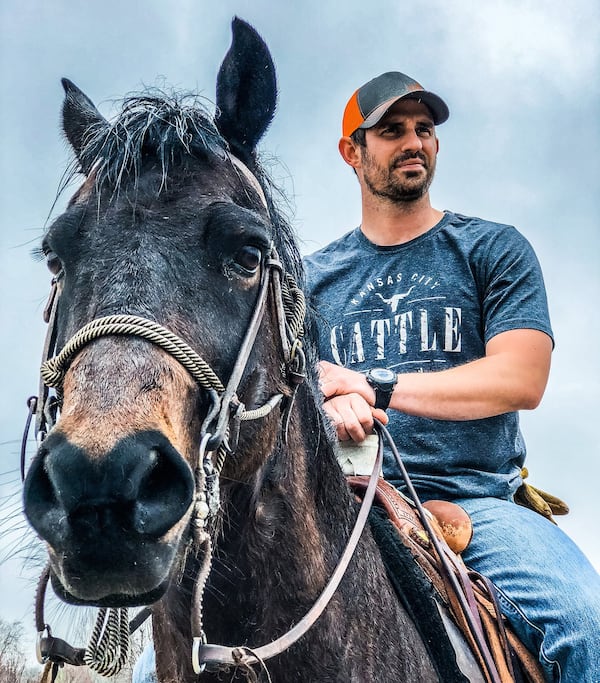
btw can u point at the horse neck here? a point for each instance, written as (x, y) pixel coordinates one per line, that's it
(296, 514)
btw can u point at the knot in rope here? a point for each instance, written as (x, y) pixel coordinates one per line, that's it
(108, 649)
(294, 304)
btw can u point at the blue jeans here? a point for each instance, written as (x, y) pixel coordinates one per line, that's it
(548, 589)
(144, 670)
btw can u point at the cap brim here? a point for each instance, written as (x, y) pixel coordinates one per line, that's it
(433, 102)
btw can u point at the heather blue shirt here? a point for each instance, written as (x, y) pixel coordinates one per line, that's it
(424, 306)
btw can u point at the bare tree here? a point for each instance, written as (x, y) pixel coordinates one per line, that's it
(12, 659)
(14, 667)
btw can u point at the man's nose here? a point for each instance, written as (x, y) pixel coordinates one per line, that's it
(411, 141)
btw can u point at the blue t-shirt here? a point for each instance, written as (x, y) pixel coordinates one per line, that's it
(427, 305)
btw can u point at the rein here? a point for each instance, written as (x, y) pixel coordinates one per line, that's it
(108, 648)
(204, 654)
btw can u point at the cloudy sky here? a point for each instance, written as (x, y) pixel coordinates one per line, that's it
(522, 80)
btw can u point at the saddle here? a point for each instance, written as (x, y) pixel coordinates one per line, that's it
(436, 595)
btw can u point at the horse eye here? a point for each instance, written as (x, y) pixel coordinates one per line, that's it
(247, 260)
(53, 262)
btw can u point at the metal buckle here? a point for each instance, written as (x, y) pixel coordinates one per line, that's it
(42, 637)
(197, 641)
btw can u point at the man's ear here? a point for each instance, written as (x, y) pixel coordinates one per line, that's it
(350, 151)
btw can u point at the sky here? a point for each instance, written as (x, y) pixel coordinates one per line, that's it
(522, 146)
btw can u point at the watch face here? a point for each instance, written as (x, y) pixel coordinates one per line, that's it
(382, 375)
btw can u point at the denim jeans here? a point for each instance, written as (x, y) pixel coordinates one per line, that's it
(548, 589)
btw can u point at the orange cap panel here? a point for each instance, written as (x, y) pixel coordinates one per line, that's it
(353, 117)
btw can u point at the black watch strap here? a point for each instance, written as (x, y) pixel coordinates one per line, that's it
(382, 397)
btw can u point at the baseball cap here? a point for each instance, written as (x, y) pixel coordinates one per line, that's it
(371, 101)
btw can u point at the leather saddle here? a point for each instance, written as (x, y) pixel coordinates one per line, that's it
(485, 628)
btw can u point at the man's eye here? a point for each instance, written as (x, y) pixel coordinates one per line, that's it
(247, 260)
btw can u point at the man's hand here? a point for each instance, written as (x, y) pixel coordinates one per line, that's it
(337, 381)
(349, 401)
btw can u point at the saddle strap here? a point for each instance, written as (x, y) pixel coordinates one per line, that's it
(485, 629)
(526, 667)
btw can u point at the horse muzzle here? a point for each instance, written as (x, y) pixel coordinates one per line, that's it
(113, 524)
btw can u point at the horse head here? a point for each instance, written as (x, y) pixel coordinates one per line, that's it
(174, 230)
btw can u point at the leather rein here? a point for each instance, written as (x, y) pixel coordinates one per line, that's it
(217, 440)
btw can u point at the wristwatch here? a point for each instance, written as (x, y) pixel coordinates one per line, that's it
(383, 382)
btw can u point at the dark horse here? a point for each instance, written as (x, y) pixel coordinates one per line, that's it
(170, 226)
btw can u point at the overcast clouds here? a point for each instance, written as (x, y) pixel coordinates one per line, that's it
(522, 146)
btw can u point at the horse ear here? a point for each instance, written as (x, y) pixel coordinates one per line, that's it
(80, 118)
(246, 90)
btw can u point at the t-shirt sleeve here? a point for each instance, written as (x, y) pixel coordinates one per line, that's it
(515, 295)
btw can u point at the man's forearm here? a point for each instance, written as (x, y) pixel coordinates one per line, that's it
(512, 376)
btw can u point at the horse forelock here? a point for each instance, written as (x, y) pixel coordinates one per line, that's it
(167, 127)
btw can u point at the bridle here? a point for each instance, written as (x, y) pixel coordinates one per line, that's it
(219, 437)
(290, 308)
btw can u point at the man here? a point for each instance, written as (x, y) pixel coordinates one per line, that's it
(442, 320)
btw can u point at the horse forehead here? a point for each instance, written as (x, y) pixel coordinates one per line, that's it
(195, 187)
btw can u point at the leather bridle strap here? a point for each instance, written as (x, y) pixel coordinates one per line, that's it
(244, 351)
(204, 654)
(54, 368)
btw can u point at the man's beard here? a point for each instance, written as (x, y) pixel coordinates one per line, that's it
(386, 184)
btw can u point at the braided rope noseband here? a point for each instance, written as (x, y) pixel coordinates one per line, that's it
(54, 369)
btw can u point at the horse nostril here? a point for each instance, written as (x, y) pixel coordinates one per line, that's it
(40, 501)
(142, 487)
(164, 493)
